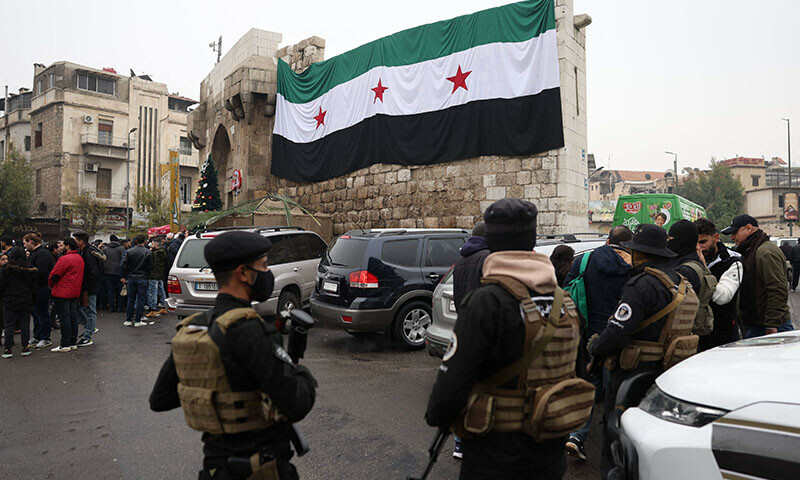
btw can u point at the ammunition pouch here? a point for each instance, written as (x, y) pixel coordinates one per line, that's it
(561, 408)
(263, 471)
(679, 349)
(480, 414)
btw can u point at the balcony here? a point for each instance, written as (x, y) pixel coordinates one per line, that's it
(105, 146)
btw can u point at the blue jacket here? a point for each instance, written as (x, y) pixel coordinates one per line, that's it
(604, 278)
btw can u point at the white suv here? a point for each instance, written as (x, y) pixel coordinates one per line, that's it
(293, 260)
(732, 412)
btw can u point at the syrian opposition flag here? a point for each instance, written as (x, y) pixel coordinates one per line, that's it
(480, 84)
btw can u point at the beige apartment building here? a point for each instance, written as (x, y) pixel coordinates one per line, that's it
(15, 124)
(92, 128)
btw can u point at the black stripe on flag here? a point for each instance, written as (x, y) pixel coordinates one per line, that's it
(517, 126)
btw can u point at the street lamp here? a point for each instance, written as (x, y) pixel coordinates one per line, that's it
(589, 185)
(675, 165)
(789, 148)
(128, 182)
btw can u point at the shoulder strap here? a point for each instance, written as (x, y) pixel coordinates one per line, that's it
(584, 263)
(513, 286)
(524, 362)
(663, 277)
(230, 317)
(671, 306)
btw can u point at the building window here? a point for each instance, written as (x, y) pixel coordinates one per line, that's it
(103, 183)
(105, 129)
(27, 143)
(38, 181)
(755, 179)
(2, 150)
(186, 146)
(186, 190)
(96, 84)
(37, 140)
(51, 80)
(780, 201)
(38, 86)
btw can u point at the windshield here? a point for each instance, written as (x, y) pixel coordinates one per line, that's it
(192, 254)
(347, 252)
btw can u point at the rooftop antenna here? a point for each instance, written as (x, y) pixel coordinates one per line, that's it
(217, 47)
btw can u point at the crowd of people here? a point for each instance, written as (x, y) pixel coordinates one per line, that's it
(63, 284)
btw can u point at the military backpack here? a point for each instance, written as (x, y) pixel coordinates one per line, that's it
(704, 321)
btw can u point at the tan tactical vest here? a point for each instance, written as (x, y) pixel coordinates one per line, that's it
(207, 400)
(676, 342)
(704, 320)
(548, 401)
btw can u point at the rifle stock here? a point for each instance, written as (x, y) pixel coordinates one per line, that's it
(433, 452)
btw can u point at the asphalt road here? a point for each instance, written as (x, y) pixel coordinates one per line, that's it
(85, 414)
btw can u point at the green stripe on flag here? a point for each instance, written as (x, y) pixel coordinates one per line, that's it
(511, 23)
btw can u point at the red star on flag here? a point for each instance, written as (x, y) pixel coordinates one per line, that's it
(320, 118)
(459, 80)
(379, 91)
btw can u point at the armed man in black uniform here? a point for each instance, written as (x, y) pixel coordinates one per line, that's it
(515, 334)
(651, 328)
(230, 374)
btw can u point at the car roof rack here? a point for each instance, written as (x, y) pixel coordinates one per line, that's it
(382, 232)
(256, 229)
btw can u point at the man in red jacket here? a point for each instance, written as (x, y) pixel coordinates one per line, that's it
(65, 281)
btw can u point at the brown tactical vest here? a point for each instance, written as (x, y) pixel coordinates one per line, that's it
(548, 400)
(208, 403)
(676, 342)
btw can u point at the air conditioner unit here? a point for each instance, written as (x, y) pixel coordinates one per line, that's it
(88, 119)
(92, 167)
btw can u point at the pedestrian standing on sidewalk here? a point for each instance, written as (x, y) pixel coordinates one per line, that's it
(795, 258)
(43, 260)
(17, 286)
(93, 260)
(156, 297)
(136, 266)
(3, 263)
(6, 242)
(66, 280)
(113, 251)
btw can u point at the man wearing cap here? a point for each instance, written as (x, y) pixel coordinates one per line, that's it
(256, 391)
(491, 334)
(643, 296)
(763, 306)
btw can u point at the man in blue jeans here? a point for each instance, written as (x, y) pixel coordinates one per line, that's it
(93, 260)
(135, 270)
(43, 260)
(113, 251)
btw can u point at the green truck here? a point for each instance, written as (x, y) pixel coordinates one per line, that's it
(633, 210)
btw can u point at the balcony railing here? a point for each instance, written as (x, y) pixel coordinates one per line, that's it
(105, 140)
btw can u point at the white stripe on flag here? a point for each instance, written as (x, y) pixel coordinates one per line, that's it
(499, 70)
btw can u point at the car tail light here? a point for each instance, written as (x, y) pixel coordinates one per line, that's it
(173, 285)
(363, 279)
(347, 319)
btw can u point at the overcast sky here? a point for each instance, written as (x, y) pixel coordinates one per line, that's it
(698, 78)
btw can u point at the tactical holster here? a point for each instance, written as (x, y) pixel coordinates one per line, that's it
(548, 400)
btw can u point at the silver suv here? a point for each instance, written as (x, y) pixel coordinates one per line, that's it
(293, 261)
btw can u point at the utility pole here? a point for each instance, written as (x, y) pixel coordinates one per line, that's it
(217, 47)
(675, 166)
(7, 133)
(128, 183)
(789, 148)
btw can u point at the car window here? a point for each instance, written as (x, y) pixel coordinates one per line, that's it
(347, 252)
(285, 249)
(400, 252)
(442, 252)
(314, 246)
(192, 254)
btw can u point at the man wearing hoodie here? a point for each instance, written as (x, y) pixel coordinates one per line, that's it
(93, 260)
(490, 334)
(604, 278)
(17, 287)
(113, 251)
(43, 260)
(683, 241)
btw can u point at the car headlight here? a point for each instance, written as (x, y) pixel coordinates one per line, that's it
(671, 409)
(451, 306)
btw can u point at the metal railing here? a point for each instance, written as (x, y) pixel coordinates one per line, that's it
(109, 141)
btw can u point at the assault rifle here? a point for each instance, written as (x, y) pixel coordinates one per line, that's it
(299, 324)
(433, 452)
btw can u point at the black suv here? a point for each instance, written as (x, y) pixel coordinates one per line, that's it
(382, 280)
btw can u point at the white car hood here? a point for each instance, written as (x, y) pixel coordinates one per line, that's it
(762, 369)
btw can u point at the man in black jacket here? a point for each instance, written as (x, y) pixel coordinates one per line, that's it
(43, 261)
(17, 287)
(135, 270)
(795, 259)
(113, 251)
(251, 351)
(93, 260)
(468, 269)
(489, 335)
(156, 297)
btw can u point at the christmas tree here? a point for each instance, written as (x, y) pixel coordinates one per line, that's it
(207, 198)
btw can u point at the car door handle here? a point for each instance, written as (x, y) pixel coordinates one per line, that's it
(296, 269)
(433, 276)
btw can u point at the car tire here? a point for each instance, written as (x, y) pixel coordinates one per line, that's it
(410, 324)
(286, 300)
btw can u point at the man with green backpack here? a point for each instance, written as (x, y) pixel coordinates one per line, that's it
(595, 283)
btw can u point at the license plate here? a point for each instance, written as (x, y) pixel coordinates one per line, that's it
(331, 287)
(206, 286)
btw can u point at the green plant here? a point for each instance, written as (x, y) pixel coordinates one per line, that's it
(16, 188)
(208, 198)
(89, 210)
(154, 202)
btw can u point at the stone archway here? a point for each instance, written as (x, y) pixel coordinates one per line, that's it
(220, 153)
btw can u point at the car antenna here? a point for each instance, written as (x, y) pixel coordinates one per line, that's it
(360, 228)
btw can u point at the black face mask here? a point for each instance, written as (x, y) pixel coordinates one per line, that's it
(261, 288)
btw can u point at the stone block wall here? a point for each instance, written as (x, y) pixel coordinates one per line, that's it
(50, 159)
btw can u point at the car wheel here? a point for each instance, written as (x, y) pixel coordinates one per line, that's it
(411, 323)
(287, 301)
